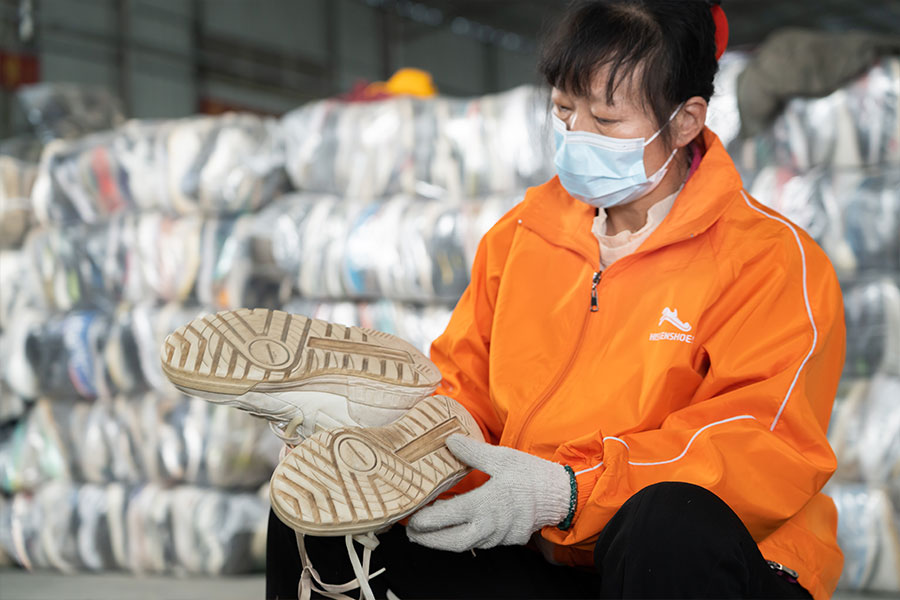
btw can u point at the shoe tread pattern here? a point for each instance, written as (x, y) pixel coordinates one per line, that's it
(354, 480)
(235, 351)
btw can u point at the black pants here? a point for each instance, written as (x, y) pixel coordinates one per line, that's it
(671, 540)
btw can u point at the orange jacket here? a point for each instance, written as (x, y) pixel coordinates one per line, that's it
(713, 358)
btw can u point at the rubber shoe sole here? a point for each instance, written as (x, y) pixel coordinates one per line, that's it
(354, 480)
(231, 353)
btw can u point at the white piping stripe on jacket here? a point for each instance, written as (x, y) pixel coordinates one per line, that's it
(600, 464)
(615, 439)
(688, 447)
(588, 470)
(677, 458)
(808, 309)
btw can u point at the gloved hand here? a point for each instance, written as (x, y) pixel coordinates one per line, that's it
(523, 494)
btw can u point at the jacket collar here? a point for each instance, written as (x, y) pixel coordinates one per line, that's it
(562, 220)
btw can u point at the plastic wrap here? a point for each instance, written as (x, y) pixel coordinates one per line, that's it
(203, 165)
(143, 529)
(869, 536)
(85, 267)
(134, 258)
(434, 147)
(33, 451)
(151, 324)
(91, 353)
(17, 288)
(68, 110)
(16, 216)
(854, 214)
(137, 439)
(12, 405)
(88, 353)
(401, 248)
(15, 297)
(865, 432)
(61, 356)
(25, 148)
(723, 116)
(872, 316)
(856, 126)
(417, 324)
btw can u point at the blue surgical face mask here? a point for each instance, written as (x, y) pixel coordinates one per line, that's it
(604, 171)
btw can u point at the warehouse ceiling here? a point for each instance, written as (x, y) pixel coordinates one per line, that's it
(750, 20)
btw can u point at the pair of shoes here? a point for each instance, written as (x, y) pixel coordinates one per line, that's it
(369, 440)
(355, 402)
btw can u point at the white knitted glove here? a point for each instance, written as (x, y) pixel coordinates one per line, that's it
(523, 494)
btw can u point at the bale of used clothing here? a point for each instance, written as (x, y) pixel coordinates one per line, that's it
(400, 248)
(437, 147)
(869, 536)
(61, 356)
(145, 529)
(865, 432)
(68, 110)
(141, 256)
(219, 165)
(134, 439)
(419, 324)
(722, 115)
(854, 214)
(18, 287)
(16, 215)
(797, 63)
(856, 126)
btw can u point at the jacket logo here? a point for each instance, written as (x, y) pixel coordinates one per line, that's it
(671, 316)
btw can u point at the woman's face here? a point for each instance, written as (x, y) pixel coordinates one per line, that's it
(626, 117)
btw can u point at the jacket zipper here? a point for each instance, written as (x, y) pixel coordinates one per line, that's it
(595, 281)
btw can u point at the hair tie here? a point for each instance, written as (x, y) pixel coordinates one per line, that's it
(721, 22)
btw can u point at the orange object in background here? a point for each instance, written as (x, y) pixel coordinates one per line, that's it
(713, 359)
(405, 82)
(18, 69)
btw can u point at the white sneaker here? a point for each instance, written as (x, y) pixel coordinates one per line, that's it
(301, 374)
(358, 480)
(355, 482)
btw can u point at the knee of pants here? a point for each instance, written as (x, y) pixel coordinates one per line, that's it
(669, 515)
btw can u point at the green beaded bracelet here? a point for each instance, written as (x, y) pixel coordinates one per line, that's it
(573, 499)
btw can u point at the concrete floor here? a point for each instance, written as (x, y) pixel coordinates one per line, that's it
(16, 584)
(22, 585)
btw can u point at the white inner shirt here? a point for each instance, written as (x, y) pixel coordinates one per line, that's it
(614, 247)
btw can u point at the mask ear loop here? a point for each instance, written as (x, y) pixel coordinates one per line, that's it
(655, 135)
(668, 161)
(666, 124)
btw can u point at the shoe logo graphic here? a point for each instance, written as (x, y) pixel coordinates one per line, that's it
(671, 316)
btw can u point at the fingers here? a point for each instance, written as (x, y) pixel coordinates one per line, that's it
(458, 538)
(472, 452)
(445, 513)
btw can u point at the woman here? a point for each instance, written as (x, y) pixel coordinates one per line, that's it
(651, 355)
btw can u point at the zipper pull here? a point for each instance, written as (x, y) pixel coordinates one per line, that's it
(778, 567)
(594, 283)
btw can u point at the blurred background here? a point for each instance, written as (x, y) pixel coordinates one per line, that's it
(160, 159)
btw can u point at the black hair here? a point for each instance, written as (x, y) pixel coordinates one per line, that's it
(670, 45)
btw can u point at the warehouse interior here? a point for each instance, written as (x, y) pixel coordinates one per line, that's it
(162, 159)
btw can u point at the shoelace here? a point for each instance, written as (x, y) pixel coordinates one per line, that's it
(281, 432)
(310, 581)
(18, 534)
